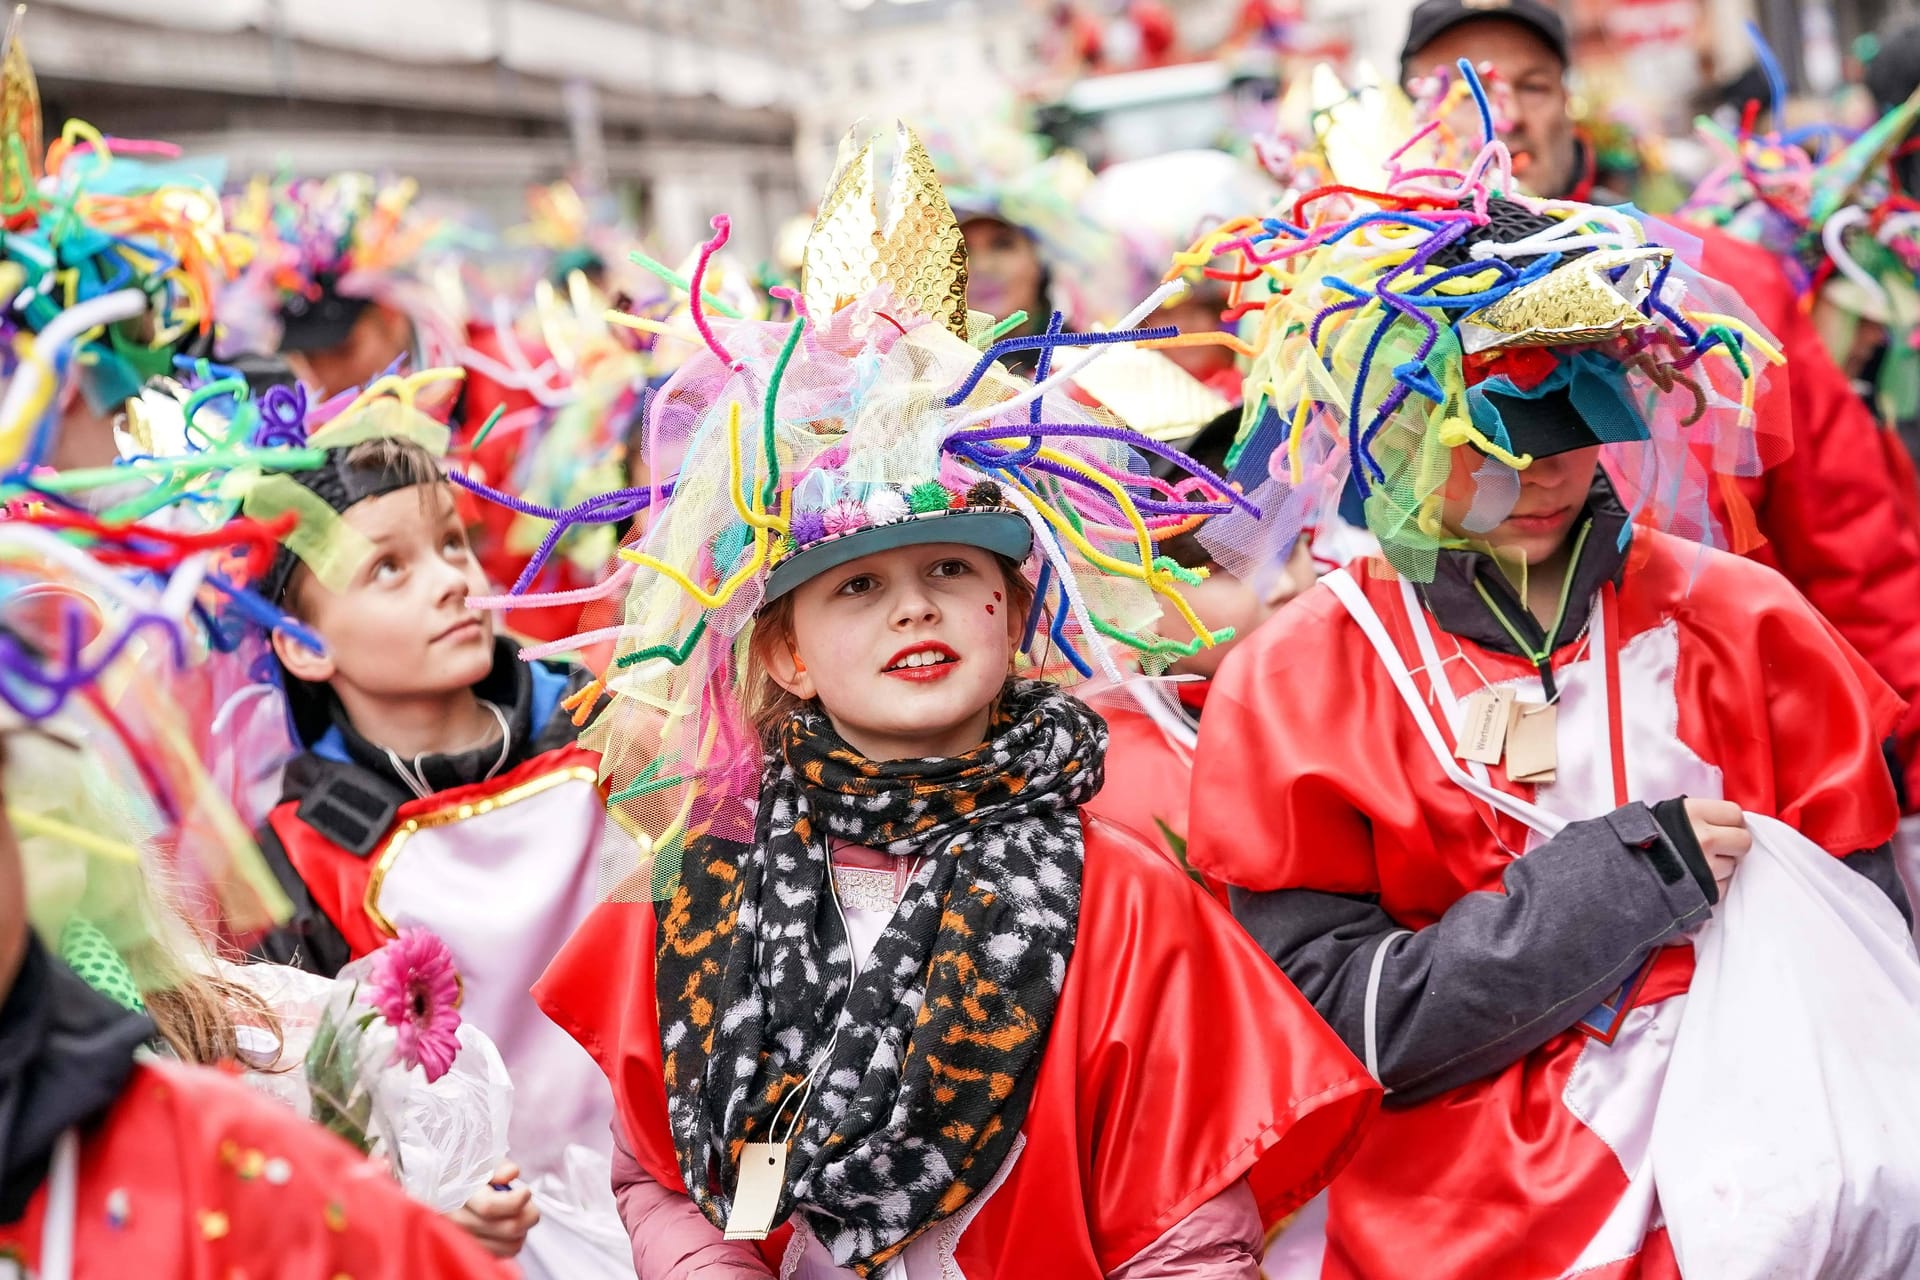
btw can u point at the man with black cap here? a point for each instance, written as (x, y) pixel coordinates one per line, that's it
(1831, 517)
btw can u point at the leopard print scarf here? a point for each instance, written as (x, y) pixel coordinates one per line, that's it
(939, 1040)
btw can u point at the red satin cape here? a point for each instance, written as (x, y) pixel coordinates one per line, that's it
(1179, 1061)
(1308, 744)
(193, 1176)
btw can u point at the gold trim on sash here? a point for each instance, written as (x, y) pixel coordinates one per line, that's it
(390, 852)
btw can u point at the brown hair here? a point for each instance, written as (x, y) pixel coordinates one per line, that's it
(199, 1017)
(196, 1009)
(768, 706)
(397, 454)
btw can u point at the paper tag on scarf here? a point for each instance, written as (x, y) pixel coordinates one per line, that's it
(756, 1198)
(1483, 730)
(1533, 749)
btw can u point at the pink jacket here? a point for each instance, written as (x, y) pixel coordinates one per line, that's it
(672, 1239)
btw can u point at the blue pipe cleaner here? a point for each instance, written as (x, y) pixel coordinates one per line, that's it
(1047, 342)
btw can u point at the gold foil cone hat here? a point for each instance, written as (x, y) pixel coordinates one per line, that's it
(913, 249)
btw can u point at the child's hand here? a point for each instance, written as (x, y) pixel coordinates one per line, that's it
(499, 1219)
(1721, 829)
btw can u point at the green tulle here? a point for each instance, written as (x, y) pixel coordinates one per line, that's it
(87, 952)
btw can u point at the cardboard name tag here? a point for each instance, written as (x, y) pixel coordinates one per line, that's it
(1533, 751)
(1483, 730)
(756, 1198)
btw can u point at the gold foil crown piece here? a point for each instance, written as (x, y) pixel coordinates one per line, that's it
(915, 250)
(19, 108)
(1596, 296)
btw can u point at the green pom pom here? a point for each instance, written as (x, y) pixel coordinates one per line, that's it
(86, 951)
(931, 496)
(783, 546)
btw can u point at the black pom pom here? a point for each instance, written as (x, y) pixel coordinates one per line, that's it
(986, 494)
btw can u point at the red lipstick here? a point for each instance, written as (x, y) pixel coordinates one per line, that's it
(926, 660)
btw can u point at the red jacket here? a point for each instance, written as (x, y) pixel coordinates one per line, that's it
(1835, 519)
(1333, 790)
(1179, 1061)
(193, 1176)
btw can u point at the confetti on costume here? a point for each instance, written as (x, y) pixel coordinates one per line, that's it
(117, 832)
(877, 414)
(1402, 319)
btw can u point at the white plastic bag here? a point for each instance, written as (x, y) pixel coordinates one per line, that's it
(452, 1134)
(580, 1235)
(1787, 1139)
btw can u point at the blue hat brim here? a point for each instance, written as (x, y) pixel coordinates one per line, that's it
(1004, 533)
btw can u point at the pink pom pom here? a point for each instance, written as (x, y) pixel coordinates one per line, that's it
(844, 516)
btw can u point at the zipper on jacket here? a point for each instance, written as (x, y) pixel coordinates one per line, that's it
(1536, 644)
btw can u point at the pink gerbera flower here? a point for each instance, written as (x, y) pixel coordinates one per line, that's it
(416, 991)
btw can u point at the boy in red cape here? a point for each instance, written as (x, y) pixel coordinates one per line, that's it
(902, 1008)
(1485, 785)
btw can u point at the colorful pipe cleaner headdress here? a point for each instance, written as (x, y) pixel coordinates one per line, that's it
(878, 415)
(206, 467)
(101, 649)
(1445, 310)
(255, 488)
(1830, 207)
(111, 253)
(576, 450)
(324, 249)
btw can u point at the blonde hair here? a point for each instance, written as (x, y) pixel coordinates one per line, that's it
(199, 1017)
(196, 1009)
(768, 706)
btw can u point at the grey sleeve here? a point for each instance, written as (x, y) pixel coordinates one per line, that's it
(1500, 973)
(1878, 866)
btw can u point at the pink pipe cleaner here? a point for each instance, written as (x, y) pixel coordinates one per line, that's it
(696, 307)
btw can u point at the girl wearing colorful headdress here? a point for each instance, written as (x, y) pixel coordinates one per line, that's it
(1484, 784)
(883, 1002)
(113, 1164)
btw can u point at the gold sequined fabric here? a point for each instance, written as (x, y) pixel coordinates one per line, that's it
(19, 108)
(1579, 302)
(915, 250)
